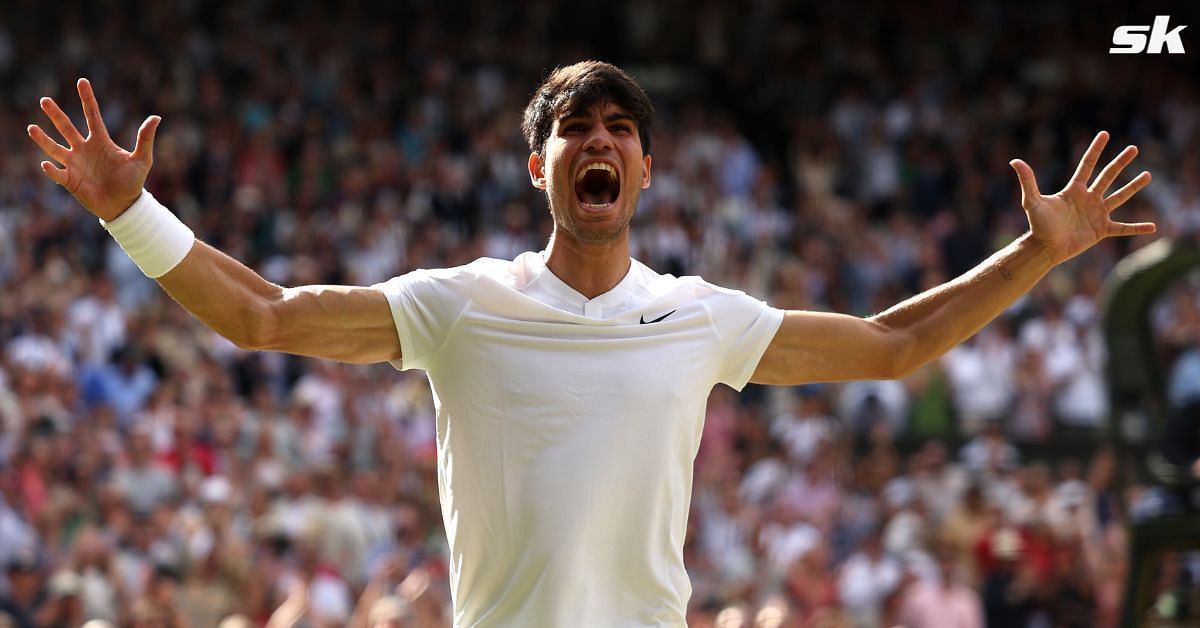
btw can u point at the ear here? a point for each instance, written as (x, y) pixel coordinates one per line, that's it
(646, 172)
(537, 171)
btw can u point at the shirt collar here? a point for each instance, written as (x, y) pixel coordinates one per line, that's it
(544, 283)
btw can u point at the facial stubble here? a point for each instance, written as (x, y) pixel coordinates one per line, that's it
(581, 231)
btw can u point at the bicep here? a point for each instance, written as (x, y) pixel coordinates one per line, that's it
(344, 323)
(826, 347)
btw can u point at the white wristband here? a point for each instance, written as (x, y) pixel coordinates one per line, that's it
(151, 235)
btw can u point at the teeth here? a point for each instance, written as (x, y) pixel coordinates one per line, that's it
(612, 172)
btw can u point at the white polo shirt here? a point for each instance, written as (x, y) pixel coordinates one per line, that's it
(567, 428)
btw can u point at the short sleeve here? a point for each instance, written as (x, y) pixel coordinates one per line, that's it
(745, 327)
(425, 304)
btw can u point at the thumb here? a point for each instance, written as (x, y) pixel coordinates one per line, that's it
(144, 149)
(1029, 188)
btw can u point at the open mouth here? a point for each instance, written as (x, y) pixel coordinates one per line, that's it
(597, 185)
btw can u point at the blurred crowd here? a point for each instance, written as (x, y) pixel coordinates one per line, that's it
(152, 474)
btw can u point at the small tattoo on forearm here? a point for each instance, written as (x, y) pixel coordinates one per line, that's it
(1004, 273)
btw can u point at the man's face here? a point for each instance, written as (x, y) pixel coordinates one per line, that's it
(593, 171)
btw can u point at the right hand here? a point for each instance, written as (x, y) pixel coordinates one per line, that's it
(105, 178)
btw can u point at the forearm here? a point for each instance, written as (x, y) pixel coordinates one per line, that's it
(224, 294)
(362, 611)
(291, 611)
(221, 292)
(932, 322)
(345, 323)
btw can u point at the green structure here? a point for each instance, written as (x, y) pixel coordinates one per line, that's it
(1137, 383)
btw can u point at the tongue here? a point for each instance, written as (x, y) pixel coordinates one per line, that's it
(602, 197)
(595, 189)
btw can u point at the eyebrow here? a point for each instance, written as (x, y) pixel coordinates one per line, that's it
(583, 113)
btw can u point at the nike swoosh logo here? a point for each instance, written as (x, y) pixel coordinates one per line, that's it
(642, 319)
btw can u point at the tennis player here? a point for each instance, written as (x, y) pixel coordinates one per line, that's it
(571, 383)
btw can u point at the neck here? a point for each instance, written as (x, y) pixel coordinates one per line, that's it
(590, 269)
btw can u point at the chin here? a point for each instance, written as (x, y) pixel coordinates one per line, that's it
(596, 231)
(589, 225)
(597, 234)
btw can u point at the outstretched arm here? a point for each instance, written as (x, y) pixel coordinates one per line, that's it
(337, 322)
(813, 346)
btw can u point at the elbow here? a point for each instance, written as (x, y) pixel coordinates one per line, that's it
(245, 343)
(902, 357)
(258, 329)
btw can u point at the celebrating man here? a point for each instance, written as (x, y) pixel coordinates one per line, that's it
(571, 382)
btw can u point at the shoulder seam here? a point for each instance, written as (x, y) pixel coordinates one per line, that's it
(457, 318)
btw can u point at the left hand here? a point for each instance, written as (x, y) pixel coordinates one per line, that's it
(1075, 218)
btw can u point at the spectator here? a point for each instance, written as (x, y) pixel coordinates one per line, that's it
(96, 324)
(981, 372)
(945, 601)
(868, 577)
(145, 482)
(26, 603)
(125, 384)
(1010, 589)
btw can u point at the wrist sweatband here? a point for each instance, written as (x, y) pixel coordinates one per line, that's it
(151, 236)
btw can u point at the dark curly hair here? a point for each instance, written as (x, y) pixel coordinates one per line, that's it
(579, 86)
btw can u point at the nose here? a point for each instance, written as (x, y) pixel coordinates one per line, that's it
(598, 139)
